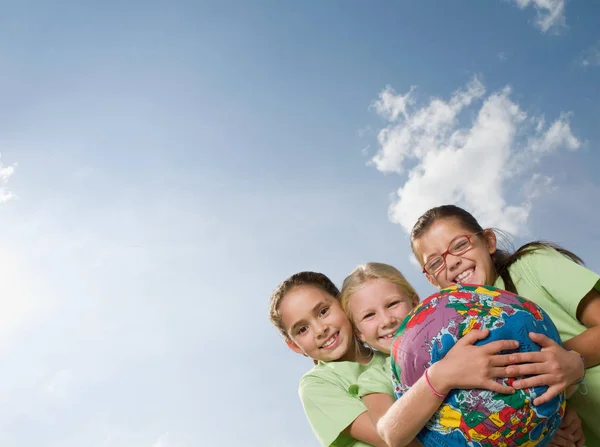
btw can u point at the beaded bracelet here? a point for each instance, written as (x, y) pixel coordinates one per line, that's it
(433, 390)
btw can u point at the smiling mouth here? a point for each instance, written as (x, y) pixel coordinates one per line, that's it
(387, 337)
(464, 276)
(331, 342)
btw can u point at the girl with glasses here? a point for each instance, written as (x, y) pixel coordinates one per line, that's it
(453, 248)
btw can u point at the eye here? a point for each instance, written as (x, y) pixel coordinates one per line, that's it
(435, 264)
(394, 303)
(324, 311)
(461, 244)
(301, 330)
(367, 316)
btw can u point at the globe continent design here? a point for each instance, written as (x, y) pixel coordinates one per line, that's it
(476, 417)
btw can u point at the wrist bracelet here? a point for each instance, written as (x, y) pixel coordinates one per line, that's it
(433, 390)
(581, 386)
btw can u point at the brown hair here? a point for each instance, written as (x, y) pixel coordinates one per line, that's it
(366, 272)
(311, 279)
(502, 258)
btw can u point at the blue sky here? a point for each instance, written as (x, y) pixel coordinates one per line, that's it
(166, 165)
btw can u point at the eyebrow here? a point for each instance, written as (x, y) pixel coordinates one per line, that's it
(363, 312)
(447, 246)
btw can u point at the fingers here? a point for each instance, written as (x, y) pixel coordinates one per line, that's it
(542, 340)
(570, 428)
(551, 393)
(528, 369)
(499, 346)
(473, 336)
(540, 379)
(497, 372)
(501, 360)
(581, 441)
(494, 386)
(528, 357)
(562, 439)
(573, 428)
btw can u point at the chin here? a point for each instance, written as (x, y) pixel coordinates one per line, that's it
(477, 280)
(385, 348)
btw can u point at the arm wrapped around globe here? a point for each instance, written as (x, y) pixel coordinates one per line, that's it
(476, 417)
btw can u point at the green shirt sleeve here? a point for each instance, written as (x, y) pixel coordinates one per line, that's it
(376, 379)
(330, 409)
(562, 278)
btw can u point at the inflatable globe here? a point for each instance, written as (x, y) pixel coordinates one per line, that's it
(476, 417)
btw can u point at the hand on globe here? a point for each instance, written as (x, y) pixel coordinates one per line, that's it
(553, 366)
(447, 335)
(467, 366)
(570, 433)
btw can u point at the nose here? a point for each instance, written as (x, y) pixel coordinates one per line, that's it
(387, 320)
(320, 329)
(452, 261)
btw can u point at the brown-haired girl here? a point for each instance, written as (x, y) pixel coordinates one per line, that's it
(454, 248)
(306, 310)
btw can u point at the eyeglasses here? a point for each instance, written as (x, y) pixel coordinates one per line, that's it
(457, 247)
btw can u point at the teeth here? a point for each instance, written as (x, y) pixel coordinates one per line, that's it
(387, 336)
(464, 275)
(329, 342)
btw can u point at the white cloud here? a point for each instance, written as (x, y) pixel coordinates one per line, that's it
(390, 105)
(5, 173)
(502, 56)
(550, 14)
(428, 126)
(591, 56)
(535, 187)
(471, 165)
(557, 136)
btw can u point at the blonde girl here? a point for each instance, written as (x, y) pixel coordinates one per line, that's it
(377, 297)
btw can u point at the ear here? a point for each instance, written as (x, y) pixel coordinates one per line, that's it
(490, 240)
(432, 280)
(415, 300)
(293, 346)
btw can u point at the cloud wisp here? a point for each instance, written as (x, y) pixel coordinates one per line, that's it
(591, 56)
(550, 14)
(5, 173)
(444, 157)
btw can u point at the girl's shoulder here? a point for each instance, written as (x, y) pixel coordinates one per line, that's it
(341, 373)
(539, 258)
(327, 372)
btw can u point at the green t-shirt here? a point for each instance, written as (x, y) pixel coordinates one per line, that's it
(557, 284)
(328, 404)
(377, 379)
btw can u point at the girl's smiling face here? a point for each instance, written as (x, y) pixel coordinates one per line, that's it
(316, 325)
(473, 266)
(377, 309)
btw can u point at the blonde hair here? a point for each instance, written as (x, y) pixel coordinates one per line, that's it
(311, 279)
(367, 272)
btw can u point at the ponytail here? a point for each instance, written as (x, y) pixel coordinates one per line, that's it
(503, 259)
